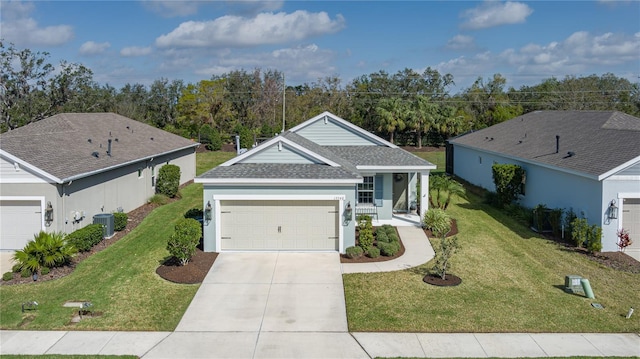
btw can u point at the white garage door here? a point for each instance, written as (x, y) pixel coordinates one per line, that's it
(631, 222)
(19, 221)
(279, 225)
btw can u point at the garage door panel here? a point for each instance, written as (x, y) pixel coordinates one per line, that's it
(631, 222)
(20, 220)
(279, 225)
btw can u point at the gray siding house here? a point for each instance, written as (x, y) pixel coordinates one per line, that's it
(57, 173)
(588, 161)
(303, 189)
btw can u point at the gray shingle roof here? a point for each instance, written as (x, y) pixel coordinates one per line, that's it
(378, 156)
(599, 140)
(62, 145)
(279, 171)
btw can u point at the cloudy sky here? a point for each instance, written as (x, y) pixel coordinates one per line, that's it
(141, 41)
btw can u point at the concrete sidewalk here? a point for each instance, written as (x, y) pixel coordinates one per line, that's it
(317, 345)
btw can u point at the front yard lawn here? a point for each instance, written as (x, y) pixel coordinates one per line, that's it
(512, 282)
(120, 281)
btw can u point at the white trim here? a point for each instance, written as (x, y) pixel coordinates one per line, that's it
(29, 198)
(283, 197)
(623, 178)
(29, 166)
(621, 197)
(394, 169)
(279, 139)
(345, 123)
(279, 197)
(24, 180)
(619, 168)
(274, 181)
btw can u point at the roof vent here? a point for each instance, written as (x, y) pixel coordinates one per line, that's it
(95, 154)
(109, 148)
(89, 140)
(569, 154)
(557, 143)
(151, 138)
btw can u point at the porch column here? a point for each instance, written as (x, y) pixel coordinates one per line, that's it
(424, 193)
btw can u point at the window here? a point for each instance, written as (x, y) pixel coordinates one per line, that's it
(153, 176)
(140, 173)
(480, 159)
(365, 190)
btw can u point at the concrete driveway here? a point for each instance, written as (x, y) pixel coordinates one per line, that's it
(266, 305)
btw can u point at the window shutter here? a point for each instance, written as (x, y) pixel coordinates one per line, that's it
(378, 190)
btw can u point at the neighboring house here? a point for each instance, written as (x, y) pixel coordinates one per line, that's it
(303, 189)
(587, 161)
(57, 173)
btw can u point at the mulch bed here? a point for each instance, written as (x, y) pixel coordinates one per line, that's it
(449, 280)
(452, 232)
(193, 272)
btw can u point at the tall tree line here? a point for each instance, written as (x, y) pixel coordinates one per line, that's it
(407, 108)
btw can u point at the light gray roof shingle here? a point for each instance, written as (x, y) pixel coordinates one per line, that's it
(62, 145)
(378, 156)
(599, 140)
(279, 171)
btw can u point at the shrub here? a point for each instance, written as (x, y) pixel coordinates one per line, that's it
(45, 270)
(85, 238)
(159, 199)
(195, 213)
(120, 221)
(373, 252)
(393, 238)
(353, 252)
(16, 268)
(448, 246)
(579, 231)
(168, 180)
(594, 241)
(438, 221)
(365, 240)
(509, 182)
(389, 249)
(45, 250)
(7, 276)
(623, 239)
(184, 240)
(387, 228)
(381, 236)
(25, 273)
(210, 137)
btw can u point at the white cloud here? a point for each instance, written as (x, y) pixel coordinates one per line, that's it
(133, 51)
(93, 48)
(491, 14)
(265, 28)
(461, 42)
(22, 30)
(174, 8)
(581, 53)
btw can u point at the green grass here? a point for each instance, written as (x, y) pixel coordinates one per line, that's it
(120, 281)
(437, 158)
(209, 160)
(512, 282)
(60, 356)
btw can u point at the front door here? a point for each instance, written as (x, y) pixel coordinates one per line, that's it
(400, 192)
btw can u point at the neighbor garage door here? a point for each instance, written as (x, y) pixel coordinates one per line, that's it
(19, 221)
(631, 222)
(279, 225)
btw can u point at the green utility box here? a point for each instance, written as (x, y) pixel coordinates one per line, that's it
(572, 284)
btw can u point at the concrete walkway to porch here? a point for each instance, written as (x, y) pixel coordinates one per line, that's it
(417, 248)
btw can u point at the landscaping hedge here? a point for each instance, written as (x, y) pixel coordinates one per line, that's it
(120, 221)
(85, 238)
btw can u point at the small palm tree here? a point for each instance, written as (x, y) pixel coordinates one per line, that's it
(443, 188)
(45, 250)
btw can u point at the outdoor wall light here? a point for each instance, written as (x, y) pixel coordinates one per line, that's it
(48, 213)
(207, 211)
(348, 210)
(613, 210)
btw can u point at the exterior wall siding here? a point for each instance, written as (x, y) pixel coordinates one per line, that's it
(10, 174)
(332, 134)
(209, 192)
(106, 192)
(274, 155)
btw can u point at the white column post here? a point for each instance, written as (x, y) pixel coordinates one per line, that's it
(424, 193)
